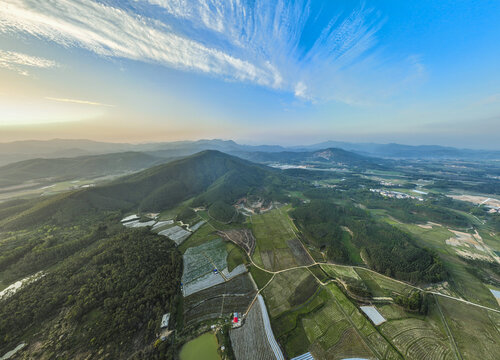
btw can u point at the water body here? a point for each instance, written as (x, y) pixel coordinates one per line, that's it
(203, 347)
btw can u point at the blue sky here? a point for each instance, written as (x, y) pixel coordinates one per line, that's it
(257, 71)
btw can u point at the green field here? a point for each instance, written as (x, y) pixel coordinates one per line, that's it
(289, 289)
(272, 231)
(416, 336)
(260, 277)
(475, 330)
(203, 347)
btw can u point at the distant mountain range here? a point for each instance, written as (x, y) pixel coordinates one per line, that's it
(62, 169)
(58, 148)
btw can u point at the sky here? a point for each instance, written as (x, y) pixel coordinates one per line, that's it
(255, 71)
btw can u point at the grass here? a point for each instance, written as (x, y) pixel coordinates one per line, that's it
(343, 272)
(260, 277)
(382, 286)
(203, 347)
(351, 249)
(235, 256)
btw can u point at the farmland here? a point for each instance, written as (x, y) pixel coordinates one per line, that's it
(251, 337)
(286, 290)
(277, 247)
(219, 300)
(471, 326)
(416, 336)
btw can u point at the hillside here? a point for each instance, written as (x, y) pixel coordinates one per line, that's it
(61, 169)
(209, 176)
(322, 157)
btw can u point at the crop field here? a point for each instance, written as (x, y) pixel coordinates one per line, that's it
(273, 231)
(416, 336)
(242, 237)
(475, 330)
(365, 329)
(222, 299)
(176, 233)
(251, 336)
(199, 264)
(288, 289)
(319, 273)
(327, 327)
(260, 277)
(202, 259)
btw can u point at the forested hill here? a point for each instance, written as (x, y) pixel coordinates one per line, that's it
(332, 156)
(207, 176)
(73, 168)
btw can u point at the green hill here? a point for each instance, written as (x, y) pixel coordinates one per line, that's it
(330, 156)
(208, 176)
(72, 168)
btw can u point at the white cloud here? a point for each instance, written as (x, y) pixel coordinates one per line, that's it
(257, 41)
(20, 62)
(76, 101)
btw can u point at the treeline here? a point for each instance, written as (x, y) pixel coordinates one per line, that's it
(385, 248)
(416, 301)
(106, 300)
(414, 211)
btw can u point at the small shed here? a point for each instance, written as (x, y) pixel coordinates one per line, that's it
(164, 321)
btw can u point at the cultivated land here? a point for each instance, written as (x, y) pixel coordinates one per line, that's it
(277, 245)
(249, 341)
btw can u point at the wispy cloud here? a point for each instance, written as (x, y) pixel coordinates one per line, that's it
(77, 101)
(260, 41)
(20, 62)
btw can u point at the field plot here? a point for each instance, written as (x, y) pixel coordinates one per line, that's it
(321, 326)
(199, 265)
(243, 238)
(277, 247)
(176, 233)
(250, 341)
(289, 289)
(139, 224)
(223, 299)
(161, 224)
(417, 336)
(206, 265)
(475, 330)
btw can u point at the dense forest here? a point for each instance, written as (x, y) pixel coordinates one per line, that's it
(107, 299)
(385, 248)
